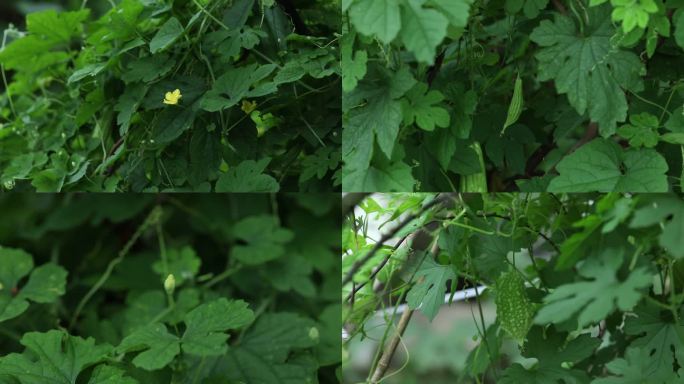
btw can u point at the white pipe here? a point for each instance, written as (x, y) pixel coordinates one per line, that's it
(458, 296)
(462, 295)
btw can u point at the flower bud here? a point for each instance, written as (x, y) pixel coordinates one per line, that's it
(170, 284)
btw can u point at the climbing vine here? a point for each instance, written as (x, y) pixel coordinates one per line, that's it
(587, 288)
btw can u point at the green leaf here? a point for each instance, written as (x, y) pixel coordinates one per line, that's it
(173, 121)
(182, 263)
(292, 275)
(456, 10)
(428, 293)
(204, 334)
(675, 122)
(18, 168)
(205, 326)
(91, 70)
(230, 43)
(353, 63)
(319, 163)
(532, 8)
(45, 283)
(378, 119)
(633, 369)
(423, 30)
(265, 239)
(30, 54)
(264, 353)
(592, 300)
(105, 374)
(237, 84)
(602, 165)
(53, 357)
(659, 337)
(642, 131)
(167, 34)
(148, 68)
(236, 15)
(330, 345)
(422, 106)
(678, 21)
(56, 27)
(158, 345)
(205, 155)
(579, 245)
(247, 176)
(587, 68)
(389, 176)
(552, 352)
(668, 212)
(379, 18)
(128, 104)
(639, 136)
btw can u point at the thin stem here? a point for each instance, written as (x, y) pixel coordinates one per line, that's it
(152, 218)
(667, 104)
(385, 237)
(222, 276)
(162, 249)
(474, 229)
(649, 102)
(377, 270)
(388, 353)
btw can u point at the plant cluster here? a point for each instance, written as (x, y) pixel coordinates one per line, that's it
(254, 104)
(187, 289)
(529, 95)
(588, 287)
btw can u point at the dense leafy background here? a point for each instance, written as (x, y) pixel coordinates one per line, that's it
(255, 299)
(429, 101)
(83, 110)
(587, 288)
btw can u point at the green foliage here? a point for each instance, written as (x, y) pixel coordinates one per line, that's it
(83, 103)
(45, 283)
(583, 66)
(581, 69)
(588, 288)
(597, 297)
(428, 293)
(602, 165)
(171, 289)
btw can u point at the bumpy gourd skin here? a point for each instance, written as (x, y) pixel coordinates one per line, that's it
(513, 308)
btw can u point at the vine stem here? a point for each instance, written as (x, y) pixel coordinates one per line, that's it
(151, 219)
(162, 249)
(388, 352)
(224, 275)
(385, 237)
(387, 355)
(377, 270)
(667, 104)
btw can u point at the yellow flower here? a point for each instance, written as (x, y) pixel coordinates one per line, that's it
(172, 98)
(248, 106)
